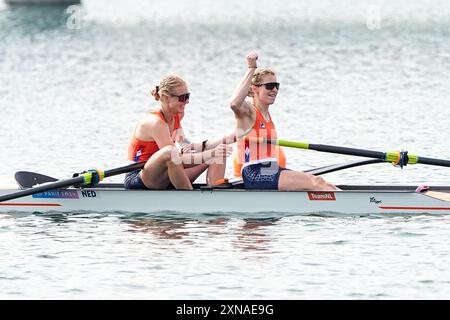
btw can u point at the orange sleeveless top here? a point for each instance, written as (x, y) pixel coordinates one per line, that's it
(252, 151)
(139, 150)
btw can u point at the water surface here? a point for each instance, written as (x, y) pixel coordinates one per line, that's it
(365, 75)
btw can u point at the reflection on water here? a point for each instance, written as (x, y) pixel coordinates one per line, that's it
(215, 257)
(252, 235)
(72, 217)
(163, 229)
(248, 234)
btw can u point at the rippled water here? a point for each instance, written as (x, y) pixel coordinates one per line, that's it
(363, 75)
(287, 258)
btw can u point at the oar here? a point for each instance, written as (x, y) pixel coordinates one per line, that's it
(342, 166)
(27, 179)
(84, 178)
(401, 158)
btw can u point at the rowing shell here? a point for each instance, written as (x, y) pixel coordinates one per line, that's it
(353, 200)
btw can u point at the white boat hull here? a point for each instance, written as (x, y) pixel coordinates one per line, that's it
(352, 201)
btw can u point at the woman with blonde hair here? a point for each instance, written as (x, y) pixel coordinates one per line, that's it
(260, 161)
(154, 138)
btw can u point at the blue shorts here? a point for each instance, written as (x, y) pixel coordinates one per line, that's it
(133, 180)
(264, 175)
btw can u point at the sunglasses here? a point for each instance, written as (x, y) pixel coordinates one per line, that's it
(270, 85)
(182, 97)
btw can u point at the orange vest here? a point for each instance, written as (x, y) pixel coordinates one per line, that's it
(139, 150)
(248, 150)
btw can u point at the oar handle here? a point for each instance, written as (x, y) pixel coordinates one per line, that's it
(319, 147)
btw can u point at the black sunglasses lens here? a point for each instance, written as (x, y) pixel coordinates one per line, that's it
(184, 97)
(271, 85)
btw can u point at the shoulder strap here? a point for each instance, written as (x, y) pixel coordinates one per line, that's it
(159, 114)
(177, 122)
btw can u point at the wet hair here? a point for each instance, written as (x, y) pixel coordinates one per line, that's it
(258, 77)
(167, 86)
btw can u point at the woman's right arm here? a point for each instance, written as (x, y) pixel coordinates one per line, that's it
(238, 103)
(160, 134)
(156, 130)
